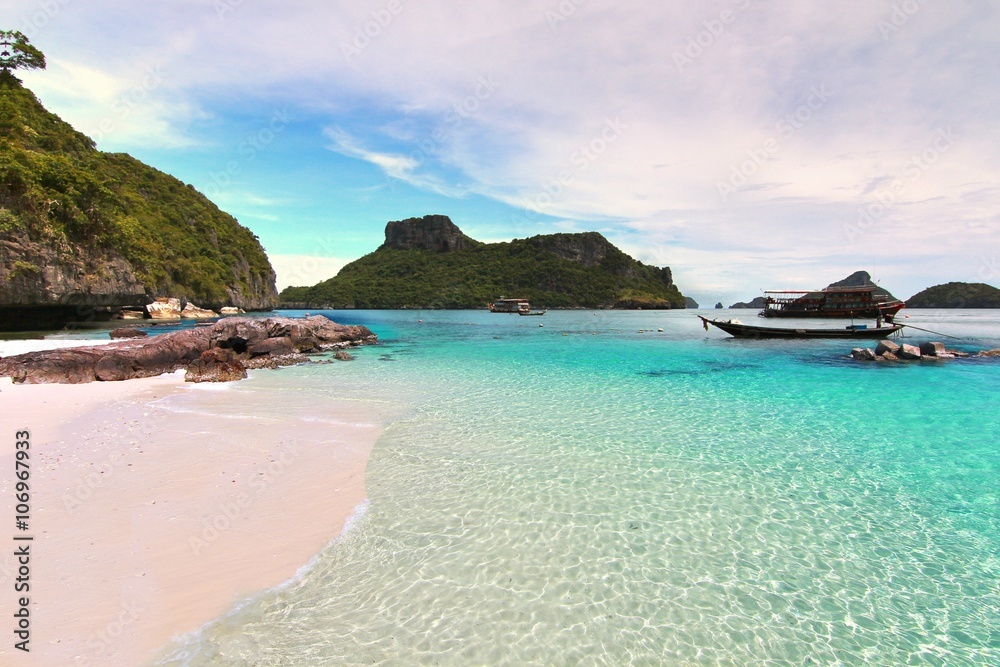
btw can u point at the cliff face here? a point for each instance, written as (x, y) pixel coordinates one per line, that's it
(429, 263)
(82, 229)
(431, 232)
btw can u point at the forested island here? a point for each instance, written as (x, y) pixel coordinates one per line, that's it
(429, 263)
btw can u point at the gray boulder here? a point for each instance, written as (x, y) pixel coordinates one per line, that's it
(907, 351)
(932, 349)
(863, 354)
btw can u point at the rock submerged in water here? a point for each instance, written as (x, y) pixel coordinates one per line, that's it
(886, 350)
(244, 341)
(128, 332)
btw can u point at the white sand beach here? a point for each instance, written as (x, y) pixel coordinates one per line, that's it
(149, 522)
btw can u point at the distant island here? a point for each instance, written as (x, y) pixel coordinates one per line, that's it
(84, 233)
(956, 295)
(856, 279)
(757, 302)
(429, 262)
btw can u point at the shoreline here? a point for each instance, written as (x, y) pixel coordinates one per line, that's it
(157, 505)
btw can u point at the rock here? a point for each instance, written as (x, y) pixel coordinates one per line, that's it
(886, 346)
(719, 305)
(273, 346)
(133, 315)
(690, 303)
(113, 368)
(232, 339)
(887, 356)
(128, 332)
(192, 311)
(907, 351)
(932, 349)
(230, 310)
(863, 354)
(431, 232)
(344, 356)
(987, 353)
(164, 308)
(215, 365)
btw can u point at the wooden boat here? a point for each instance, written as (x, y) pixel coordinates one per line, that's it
(504, 305)
(861, 302)
(532, 312)
(740, 330)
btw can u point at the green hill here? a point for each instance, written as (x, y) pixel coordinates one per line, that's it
(82, 229)
(429, 263)
(956, 295)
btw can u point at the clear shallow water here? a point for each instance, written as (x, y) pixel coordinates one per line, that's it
(583, 493)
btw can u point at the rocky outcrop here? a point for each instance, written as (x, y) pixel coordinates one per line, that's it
(887, 350)
(215, 365)
(690, 303)
(236, 339)
(431, 232)
(164, 308)
(192, 311)
(128, 332)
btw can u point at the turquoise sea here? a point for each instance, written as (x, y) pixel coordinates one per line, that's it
(597, 492)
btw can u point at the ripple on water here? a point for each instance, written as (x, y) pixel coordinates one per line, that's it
(589, 510)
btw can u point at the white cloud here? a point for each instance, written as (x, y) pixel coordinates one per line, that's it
(703, 94)
(298, 270)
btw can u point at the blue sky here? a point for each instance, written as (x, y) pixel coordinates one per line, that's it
(747, 145)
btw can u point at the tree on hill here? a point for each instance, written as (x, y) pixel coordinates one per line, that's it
(16, 52)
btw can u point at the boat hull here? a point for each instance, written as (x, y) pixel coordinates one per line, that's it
(888, 310)
(751, 331)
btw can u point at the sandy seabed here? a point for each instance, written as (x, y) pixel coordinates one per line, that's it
(149, 522)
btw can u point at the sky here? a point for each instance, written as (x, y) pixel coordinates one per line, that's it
(747, 145)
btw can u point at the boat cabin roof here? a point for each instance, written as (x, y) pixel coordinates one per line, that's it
(827, 290)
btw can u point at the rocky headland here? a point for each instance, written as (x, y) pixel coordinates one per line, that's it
(84, 234)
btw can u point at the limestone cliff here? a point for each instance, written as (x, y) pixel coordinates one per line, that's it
(84, 232)
(431, 232)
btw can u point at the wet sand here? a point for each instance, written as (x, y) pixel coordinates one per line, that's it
(156, 505)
